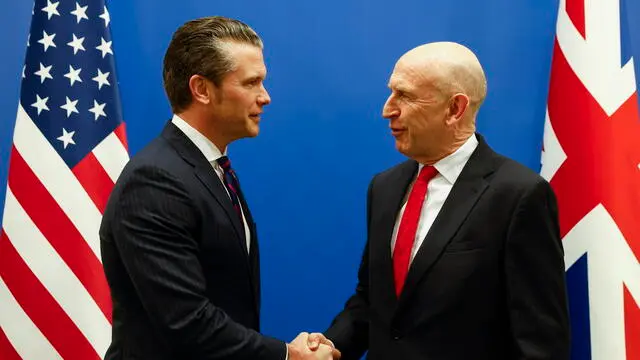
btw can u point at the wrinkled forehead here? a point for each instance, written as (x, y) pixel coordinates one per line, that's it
(408, 73)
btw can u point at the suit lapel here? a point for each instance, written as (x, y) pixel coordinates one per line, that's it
(390, 203)
(206, 174)
(466, 191)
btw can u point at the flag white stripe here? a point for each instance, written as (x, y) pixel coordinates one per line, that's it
(55, 275)
(112, 155)
(23, 334)
(58, 179)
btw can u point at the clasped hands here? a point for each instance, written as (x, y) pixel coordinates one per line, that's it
(314, 346)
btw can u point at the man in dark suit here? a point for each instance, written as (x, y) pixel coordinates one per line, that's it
(179, 245)
(463, 258)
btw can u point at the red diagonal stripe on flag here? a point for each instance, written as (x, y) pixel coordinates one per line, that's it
(59, 231)
(7, 351)
(41, 307)
(121, 133)
(632, 325)
(602, 154)
(575, 10)
(95, 180)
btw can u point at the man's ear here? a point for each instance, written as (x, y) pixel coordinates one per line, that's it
(458, 106)
(201, 89)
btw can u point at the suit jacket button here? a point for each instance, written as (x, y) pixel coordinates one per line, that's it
(395, 334)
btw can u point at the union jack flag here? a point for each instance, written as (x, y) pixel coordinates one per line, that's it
(69, 147)
(592, 158)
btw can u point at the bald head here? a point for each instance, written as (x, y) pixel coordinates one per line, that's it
(451, 68)
(436, 91)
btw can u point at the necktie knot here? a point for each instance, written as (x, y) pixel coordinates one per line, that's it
(224, 163)
(427, 173)
(231, 183)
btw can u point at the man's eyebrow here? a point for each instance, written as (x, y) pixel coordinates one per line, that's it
(254, 78)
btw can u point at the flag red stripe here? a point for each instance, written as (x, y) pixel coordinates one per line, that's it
(94, 180)
(575, 10)
(41, 307)
(576, 183)
(7, 351)
(579, 183)
(121, 133)
(59, 231)
(623, 158)
(632, 325)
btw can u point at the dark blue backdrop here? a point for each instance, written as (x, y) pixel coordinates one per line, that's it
(328, 65)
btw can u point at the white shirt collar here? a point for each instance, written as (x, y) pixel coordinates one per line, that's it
(451, 166)
(208, 148)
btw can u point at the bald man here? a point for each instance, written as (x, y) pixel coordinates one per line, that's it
(463, 258)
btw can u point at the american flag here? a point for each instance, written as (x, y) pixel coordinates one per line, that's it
(69, 147)
(592, 158)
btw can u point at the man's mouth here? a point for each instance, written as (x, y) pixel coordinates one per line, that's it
(397, 131)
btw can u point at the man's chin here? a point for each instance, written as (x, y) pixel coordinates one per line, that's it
(253, 131)
(402, 148)
(248, 133)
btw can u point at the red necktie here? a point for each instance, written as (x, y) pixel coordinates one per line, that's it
(409, 226)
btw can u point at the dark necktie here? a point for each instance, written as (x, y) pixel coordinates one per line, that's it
(231, 183)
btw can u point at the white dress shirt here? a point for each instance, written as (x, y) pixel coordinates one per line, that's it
(438, 190)
(211, 153)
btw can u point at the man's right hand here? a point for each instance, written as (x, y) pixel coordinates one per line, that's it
(299, 349)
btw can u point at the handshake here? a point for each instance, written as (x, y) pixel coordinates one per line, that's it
(314, 346)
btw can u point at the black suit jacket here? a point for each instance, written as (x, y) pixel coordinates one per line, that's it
(175, 256)
(487, 283)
